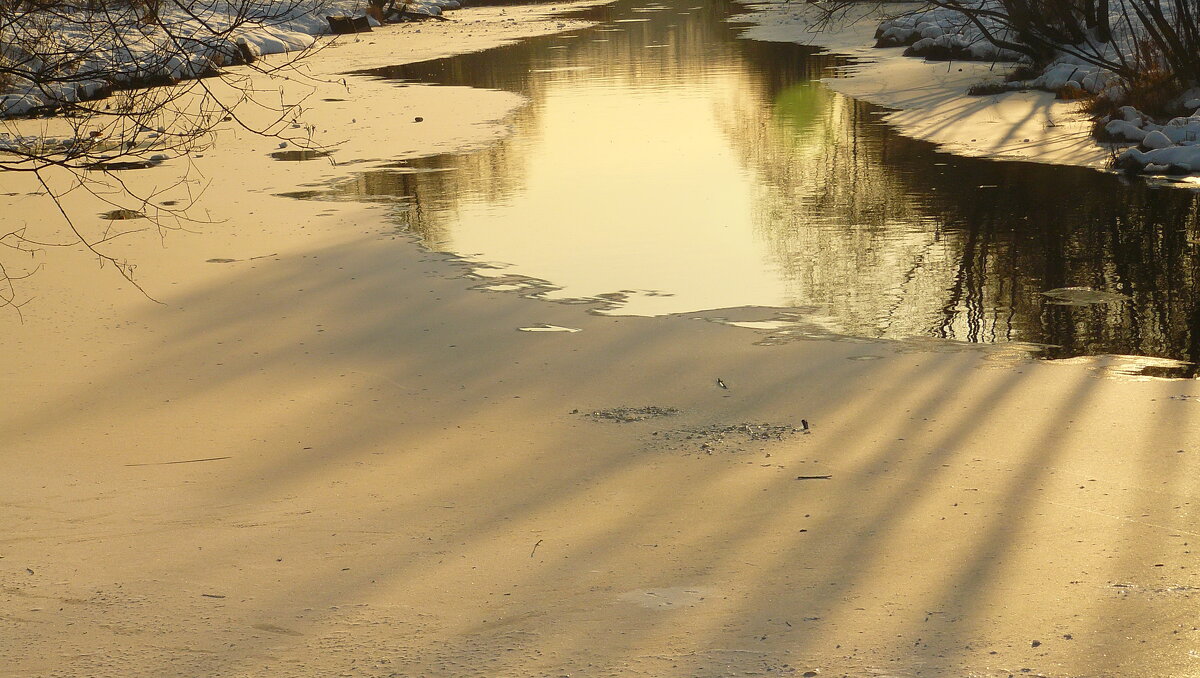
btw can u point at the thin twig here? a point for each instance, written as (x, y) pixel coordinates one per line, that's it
(183, 461)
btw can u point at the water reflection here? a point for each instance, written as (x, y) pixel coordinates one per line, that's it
(667, 160)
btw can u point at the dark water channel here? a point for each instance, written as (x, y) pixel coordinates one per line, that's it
(672, 167)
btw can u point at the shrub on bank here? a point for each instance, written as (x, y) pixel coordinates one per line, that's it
(1132, 61)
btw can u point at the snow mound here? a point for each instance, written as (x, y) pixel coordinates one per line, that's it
(1169, 160)
(940, 34)
(1170, 148)
(1173, 148)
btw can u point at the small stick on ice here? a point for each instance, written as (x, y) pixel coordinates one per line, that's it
(183, 461)
(539, 543)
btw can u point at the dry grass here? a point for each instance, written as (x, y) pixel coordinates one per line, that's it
(982, 89)
(1153, 94)
(1155, 86)
(1072, 93)
(1023, 72)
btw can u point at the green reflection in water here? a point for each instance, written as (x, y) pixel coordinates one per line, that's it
(800, 105)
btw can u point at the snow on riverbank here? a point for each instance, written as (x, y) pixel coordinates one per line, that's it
(945, 35)
(929, 98)
(1171, 148)
(1038, 118)
(68, 56)
(1167, 149)
(942, 33)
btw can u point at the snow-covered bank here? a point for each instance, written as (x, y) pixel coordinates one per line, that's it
(118, 50)
(64, 56)
(929, 98)
(1171, 147)
(946, 35)
(1168, 149)
(1038, 118)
